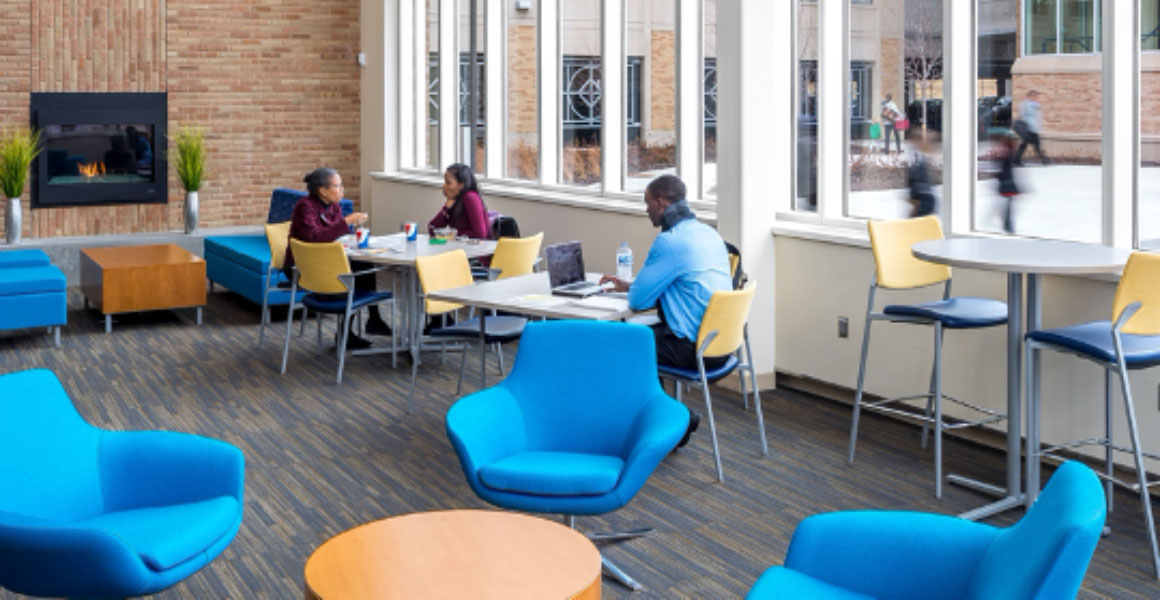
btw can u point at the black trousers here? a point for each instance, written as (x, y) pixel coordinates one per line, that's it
(1031, 138)
(677, 351)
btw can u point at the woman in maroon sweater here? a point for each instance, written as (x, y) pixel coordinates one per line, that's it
(462, 207)
(318, 218)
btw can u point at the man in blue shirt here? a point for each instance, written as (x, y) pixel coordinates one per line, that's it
(686, 264)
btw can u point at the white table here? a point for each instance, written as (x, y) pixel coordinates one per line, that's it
(1023, 259)
(532, 295)
(395, 251)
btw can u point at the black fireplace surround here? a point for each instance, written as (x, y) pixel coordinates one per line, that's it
(99, 148)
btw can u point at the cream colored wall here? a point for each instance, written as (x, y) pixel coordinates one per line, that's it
(819, 281)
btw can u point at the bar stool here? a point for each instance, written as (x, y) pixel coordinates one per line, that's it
(898, 269)
(1131, 341)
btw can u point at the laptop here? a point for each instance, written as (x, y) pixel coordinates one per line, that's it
(566, 271)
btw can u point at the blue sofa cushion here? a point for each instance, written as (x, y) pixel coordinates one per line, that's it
(25, 257)
(249, 251)
(780, 582)
(553, 473)
(167, 536)
(282, 204)
(31, 280)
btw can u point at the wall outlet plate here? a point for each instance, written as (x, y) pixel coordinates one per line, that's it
(843, 327)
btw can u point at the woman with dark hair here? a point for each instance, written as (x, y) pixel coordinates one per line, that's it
(463, 208)
(318, 218)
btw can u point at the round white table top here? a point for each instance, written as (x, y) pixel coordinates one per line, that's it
(1023, 255)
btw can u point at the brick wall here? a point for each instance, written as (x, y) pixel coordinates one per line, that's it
(274, 84)
(662, 73)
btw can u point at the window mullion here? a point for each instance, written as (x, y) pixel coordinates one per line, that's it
(408, 83)
(612, 97)
(1120, 110)
(448, 83)
(833, 110)
(494, 67)
(548, 98)
(690, 94)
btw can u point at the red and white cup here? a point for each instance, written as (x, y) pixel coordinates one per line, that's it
(411, 230)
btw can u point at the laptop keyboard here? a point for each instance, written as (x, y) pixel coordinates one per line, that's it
(579, 285)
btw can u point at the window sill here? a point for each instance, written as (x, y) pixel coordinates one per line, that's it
(618, 202)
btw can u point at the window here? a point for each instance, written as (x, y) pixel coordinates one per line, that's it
(471, 141)
(650, 109)
(581, 80)
(709, 101)
(1062, 26)
(523, 82)
(429, 137)
(806, 108)
(1148, 194)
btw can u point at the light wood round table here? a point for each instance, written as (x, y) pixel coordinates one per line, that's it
(476, 554)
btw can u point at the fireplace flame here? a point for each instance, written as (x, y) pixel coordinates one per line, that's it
(92, 169)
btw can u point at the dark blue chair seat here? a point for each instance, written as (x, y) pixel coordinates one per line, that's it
(499, 329)
(695, 375)
(1094, 340)
(336, 303)
(955, 313)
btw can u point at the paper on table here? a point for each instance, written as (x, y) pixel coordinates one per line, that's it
(539, 300)
(602, 302)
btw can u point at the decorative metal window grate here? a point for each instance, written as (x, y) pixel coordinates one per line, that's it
(433, 88)
(710, 77)
(632, 108)
(860, 91)
(465, 85)
(581, 92)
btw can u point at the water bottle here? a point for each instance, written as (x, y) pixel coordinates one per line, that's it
(624, 261)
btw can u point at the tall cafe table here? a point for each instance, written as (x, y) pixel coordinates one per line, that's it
(1024, 260)
(531, 295)
(395, 251)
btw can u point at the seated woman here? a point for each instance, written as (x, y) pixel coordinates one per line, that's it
(462, 208)
(318, 218)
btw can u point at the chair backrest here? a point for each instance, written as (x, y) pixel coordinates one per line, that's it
(581, 383)
(282, 202)
(726, 314)
(1140, 283)
(736, 273)
(896, 265)
(516, 256)
(319, 266)
(278, 236)
(502, 226)
(49, 468)
(1046, 554)
(443, 271)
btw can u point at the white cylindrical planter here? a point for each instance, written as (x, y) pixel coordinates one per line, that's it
(190, 212)
(13, 221)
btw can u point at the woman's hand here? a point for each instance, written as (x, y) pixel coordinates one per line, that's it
(357, 218)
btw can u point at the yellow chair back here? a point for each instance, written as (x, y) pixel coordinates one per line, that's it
(1140, 283)
(734, 260)
(319, 266)
(440, 272)
(726, 314)
(278, 236)
(516, 256)
(896, 265)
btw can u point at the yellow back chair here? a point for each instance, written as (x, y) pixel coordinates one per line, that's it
(896, 268)
(277, 236)
(442, 272)
(723, 332)
(323, 271)
(1129, 341)
(516, 256)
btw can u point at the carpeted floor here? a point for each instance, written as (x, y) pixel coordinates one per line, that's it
(322, 457)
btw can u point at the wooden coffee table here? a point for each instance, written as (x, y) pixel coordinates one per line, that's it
(476, 554)
(120, 279)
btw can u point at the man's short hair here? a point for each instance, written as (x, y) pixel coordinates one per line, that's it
(669, 187)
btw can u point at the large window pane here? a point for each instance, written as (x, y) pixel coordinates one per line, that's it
(709, 101)
(472, 83)
(523, 143)
(1149, 192)
(895, 157)
(806, 107)
(581, 93)
(430, 133)
(1061, 26)
(650, 88)
(1039, 162)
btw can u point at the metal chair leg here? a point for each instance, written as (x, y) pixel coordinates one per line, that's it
(619, 576)
(938, 420)
(289, 326)
(343, 335)
(756, 397)
(1108, 449)
(1137, 452)
(462, 367)
(709, 413)
(861, 382)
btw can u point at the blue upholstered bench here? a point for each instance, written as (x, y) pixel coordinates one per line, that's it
(240, 262)
(31, 295)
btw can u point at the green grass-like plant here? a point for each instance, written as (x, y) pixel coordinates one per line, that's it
(190, 163)
(17, 149)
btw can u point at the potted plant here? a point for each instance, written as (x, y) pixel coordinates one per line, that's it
(190, 167)
(17, 149)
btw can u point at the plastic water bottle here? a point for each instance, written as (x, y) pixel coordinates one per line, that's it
(624, 261)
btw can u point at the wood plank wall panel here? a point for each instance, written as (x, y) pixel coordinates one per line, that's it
(274, 84)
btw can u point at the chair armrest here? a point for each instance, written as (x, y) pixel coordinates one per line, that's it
(485, 427)
(159, 468)
(48, 559)
(656, 430)
(890, 553)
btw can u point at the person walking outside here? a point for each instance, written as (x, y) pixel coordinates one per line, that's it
(1028, 127)
(890, 114)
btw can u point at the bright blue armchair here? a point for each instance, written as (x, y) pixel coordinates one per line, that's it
(905, 555)
(95, 513)
(576, 428)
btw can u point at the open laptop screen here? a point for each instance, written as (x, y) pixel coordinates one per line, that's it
(565, 263)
